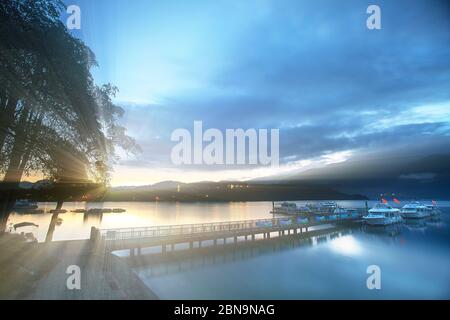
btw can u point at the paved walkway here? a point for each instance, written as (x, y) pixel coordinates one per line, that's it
(38, 271)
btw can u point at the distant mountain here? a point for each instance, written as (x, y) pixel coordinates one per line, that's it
(26, 185)
(163, 185)
(226, 191)
(411, 177)
(35, 185)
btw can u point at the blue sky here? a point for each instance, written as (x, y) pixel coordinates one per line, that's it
(335, 89)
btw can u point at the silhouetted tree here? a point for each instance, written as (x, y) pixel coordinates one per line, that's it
(54, 119)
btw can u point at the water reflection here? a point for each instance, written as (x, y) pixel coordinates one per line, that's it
(77, 225)
(416, 225)
(329, 265)
(157, 265)
(436, 222)
(391, 231)
(414, 256)
(92, 219)
(346, 245)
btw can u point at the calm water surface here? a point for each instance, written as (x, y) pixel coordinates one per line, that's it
(414, 257)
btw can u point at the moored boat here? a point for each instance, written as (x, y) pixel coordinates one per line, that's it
(433, 209)
(382, 215)
(332, 208)
(290, 208)
(302, 220)
(329, 207)
(58, 211)
(415, 210)
(24, 204)
(99, 210)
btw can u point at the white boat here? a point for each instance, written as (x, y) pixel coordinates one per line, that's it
(290, 208)
(285, 208)
(24, 204)
(433, 209)
(382, 215)
(415, 210)
(333, 210)
(328, 208)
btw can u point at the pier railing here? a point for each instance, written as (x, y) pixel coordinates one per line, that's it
(185, 229)
(214, 227)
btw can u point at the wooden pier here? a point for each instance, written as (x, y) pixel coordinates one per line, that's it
(194, 235)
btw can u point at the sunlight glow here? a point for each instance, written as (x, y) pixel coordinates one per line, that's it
(347, 246)
(128, 175)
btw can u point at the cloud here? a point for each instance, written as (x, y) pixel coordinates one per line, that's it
(311, 69)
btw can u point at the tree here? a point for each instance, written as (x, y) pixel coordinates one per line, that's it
(54, 118)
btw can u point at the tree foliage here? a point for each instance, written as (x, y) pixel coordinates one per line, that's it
(54, 118)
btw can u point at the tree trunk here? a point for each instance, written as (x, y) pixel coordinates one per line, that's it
(13, 174)
(34, 132)
(51, 227)
(59, 204)
(6, 205)
(7, 119)
(53, 221)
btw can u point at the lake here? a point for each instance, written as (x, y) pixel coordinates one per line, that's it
(414, 257)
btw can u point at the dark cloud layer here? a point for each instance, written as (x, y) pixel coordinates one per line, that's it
(315, 71)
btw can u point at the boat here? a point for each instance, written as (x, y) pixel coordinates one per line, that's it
(302, 220)
(329, 207)
(24, 224)
(30, 211)
(58, 211)
(94, 211)
(264, 224)
(290, 208)
(382, 214)
(24, 204)
(35, 211)
(99, 210)
(433, 209)
(335, 212)
(285, 222)
(285, 208)
(79, 211)
(415, 210)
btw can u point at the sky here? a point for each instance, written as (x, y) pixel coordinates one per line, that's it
(312, 69)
